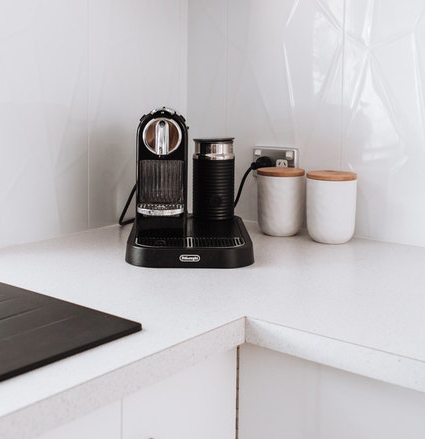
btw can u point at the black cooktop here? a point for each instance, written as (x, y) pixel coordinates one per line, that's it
(36, 330)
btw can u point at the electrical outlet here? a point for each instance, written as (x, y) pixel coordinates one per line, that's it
(281, 163)
(280, 156)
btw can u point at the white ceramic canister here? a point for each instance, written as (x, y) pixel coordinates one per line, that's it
(331, 206)
(281, 200)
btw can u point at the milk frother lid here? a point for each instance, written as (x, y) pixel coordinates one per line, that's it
(218, 148)
(215, 140)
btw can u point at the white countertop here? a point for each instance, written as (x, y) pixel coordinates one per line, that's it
(358, 306)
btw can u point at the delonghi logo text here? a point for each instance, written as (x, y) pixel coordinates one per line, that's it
(190, 258)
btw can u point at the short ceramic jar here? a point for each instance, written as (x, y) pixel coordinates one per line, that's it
(331, 206)
(281, 200)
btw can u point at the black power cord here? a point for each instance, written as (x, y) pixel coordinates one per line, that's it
(121, 221)
(261, 162)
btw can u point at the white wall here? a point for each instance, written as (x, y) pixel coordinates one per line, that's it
(342, 80)
(75, 77)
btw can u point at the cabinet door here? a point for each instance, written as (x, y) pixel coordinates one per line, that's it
(104, 423)
(197, 403)
(286, 397)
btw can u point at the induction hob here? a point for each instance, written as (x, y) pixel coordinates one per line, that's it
(36, 330)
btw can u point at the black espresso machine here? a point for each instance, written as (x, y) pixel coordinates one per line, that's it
(164, 234)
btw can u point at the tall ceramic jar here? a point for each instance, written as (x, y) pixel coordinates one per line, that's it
(331, 206)
(281, 200)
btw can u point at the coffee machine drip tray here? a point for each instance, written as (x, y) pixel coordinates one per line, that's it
(191, 242)
(205, 244)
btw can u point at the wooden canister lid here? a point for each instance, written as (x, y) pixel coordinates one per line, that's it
(332, 175)
(281, 172)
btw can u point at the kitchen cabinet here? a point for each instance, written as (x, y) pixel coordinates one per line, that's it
(283, 396)
(104, 423)
(279, 396)
(199, 402)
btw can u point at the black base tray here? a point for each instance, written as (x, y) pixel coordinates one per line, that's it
(207, 244)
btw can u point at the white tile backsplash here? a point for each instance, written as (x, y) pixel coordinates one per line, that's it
(136, 56)
(383, 118)
(283, 84)
(342, 80)
(43, 123)
(75, 77)
(207, 46)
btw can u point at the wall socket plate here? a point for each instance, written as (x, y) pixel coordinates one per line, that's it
(285, 157)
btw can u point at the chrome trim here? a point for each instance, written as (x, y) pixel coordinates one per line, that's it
(213, 157)
(160, 210)
(189, 258)
(213, 149)
(162, 138)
